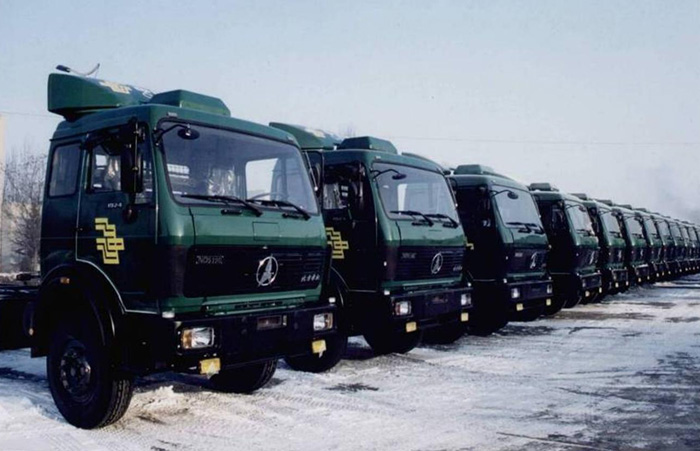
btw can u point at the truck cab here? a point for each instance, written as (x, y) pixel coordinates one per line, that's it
(655, 245)
(162, 250)
(678, 254)
(667, 249)
(611, 262)
(692, 247)
(509, 247)
(636, 256)
(398, 246)
(575, 248)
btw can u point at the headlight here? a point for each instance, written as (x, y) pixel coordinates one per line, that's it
(402, 308)
(515, 293)
(323, 321)
(197, 337)
(465, 299)
(550, 289)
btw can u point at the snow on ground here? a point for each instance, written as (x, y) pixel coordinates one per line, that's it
(621, 375)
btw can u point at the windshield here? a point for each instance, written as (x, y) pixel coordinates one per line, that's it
(635, 227)
(611, 223)
(580, 221)
(684, 232)
(212, 162)
(408, 189)
(651, 229)
(675, 231)
(663, 228)
(516, 212)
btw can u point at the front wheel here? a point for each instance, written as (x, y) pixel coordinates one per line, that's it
(386, 342)
(246, 379)
(315, 363)
(87, 391)
(445, 334)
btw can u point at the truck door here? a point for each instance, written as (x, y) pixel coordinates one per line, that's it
(116, 230)
(350, 226)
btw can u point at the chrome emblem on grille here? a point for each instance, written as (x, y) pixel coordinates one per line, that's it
(533, 261)
(267, 271)
(436, 263)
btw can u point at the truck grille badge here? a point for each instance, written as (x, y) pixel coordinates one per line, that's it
(436, 263)
(267, 271)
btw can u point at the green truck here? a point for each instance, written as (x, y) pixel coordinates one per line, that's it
(573, 257)
(398, 246)
(611, 261)
(679, 250)
(655, 245)
(667, 249)
(507, 261)
(692, 246)
(163, 249)
(636, 255)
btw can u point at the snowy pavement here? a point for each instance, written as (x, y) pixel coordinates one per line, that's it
(621, 375)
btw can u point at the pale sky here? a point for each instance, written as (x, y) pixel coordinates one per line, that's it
(594, 96)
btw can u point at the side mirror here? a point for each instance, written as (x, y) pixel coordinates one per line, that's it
(131, 169)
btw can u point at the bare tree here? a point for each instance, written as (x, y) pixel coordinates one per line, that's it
(22, 197)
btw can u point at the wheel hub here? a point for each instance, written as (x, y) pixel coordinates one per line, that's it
(75, 371)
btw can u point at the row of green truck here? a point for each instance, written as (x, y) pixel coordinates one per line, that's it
(178, 238)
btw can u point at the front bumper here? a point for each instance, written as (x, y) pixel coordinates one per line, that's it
(530, 295)
(239, 339)
(641, 273)
(572, 285)
(615, 279)
(429, 308)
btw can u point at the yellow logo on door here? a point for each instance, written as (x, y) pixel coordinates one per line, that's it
(109, 244)
(337, 244)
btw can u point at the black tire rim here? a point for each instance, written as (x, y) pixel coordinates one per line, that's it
(75, 372)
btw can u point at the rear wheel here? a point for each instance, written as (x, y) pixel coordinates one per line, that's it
(386, 342)
(315, 363)
(445, 334)
(87, 391)
(246, 379)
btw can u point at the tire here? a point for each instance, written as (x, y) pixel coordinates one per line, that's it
(557, 305)
(445, 334)
(246, 379)
(528, 315)
(87, 391)
(313, 363)
(385, 342)
(485, 326)
(573, 302)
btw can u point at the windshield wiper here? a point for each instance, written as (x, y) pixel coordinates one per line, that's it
(225, 200)
(524, 227)
(414, 213)
(282, 203)
(586, 231)
(536, 227)
(452, 223)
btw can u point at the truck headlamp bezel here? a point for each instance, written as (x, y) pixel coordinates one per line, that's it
(402, 308)
(192, 338)
(323, 322)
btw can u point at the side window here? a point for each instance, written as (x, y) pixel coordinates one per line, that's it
(65, 165)
(338, 190)
(105, 170)
(558, 218)
(146, 196)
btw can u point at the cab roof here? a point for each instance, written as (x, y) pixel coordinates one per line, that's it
(88, 104)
